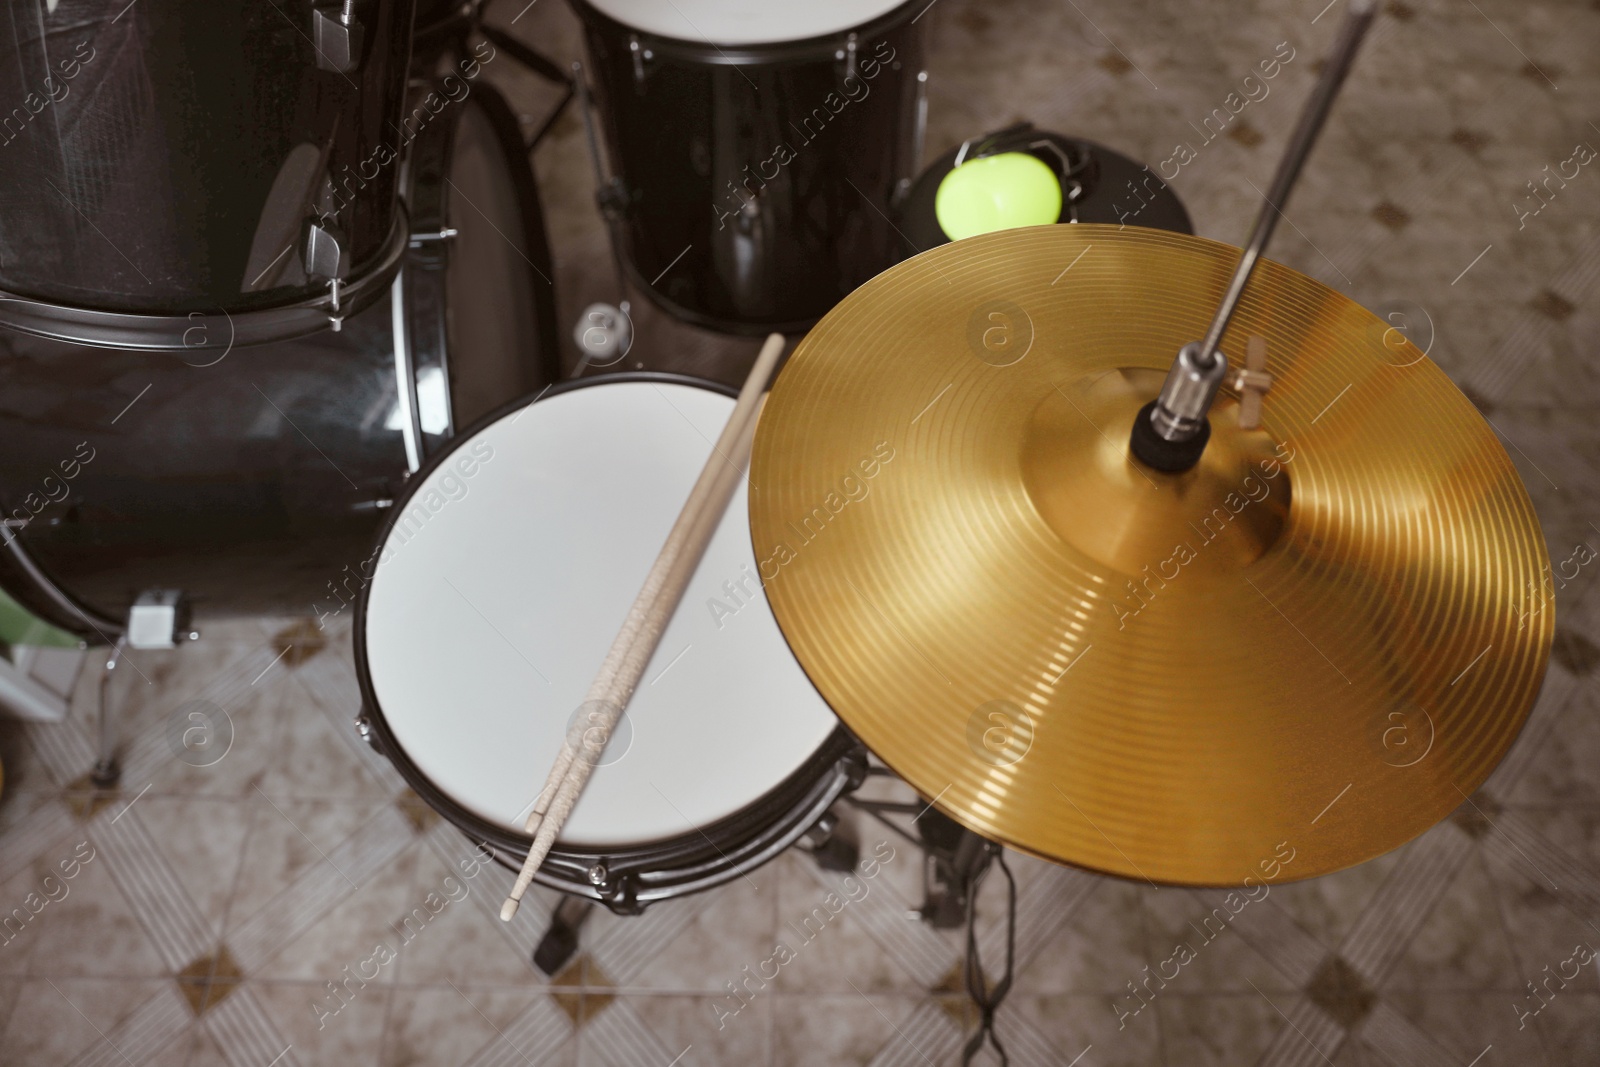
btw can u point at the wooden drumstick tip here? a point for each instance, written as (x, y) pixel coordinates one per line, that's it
(508, 909)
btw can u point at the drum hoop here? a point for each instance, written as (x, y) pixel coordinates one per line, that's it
(136, 331)
(427, 262)
(775, 53)
(663, 867)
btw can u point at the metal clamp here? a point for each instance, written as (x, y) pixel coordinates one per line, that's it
(337, 37)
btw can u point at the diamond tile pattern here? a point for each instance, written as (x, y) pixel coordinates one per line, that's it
(289, 904)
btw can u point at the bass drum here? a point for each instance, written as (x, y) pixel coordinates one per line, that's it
(253, 479)
(756, 169)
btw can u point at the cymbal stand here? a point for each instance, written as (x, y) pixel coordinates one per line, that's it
(1170, 432)
(956, 861)
(605, 331)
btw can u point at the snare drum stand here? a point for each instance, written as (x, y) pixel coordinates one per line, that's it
(956, 860)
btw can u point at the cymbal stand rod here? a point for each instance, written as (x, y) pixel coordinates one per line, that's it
(607, 194)
(1357, 21)
(1178, 417)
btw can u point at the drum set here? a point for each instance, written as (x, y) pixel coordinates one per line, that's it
(313, 357)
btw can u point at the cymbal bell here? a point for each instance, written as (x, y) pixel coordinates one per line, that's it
(1320, 640)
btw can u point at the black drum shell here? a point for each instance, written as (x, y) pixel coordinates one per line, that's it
(151, 165)
(694, 135)
(253, 478)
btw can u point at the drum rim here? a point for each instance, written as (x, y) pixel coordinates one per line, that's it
(224, 329)
(694, 856)
(771, 53)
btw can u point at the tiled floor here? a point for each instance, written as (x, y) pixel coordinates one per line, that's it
(211, 905)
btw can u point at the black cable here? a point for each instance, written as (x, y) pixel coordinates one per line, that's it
(985, 999)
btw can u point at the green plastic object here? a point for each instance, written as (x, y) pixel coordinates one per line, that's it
(997, 193)
(18, 626)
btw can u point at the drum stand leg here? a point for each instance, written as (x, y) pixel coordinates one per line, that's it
(106, 771)
(955, 863)
(560, 940)
(159, 618)
(536, 63)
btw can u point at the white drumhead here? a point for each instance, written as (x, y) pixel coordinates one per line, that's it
(501, 587)
(741, 22)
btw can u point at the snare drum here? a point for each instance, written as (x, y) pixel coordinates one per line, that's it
(503, 575)
(758, 149)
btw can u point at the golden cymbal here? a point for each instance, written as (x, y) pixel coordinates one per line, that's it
(1318, 643)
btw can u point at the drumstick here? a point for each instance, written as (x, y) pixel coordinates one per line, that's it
(682, 533)
(647, 620)
(579, 732)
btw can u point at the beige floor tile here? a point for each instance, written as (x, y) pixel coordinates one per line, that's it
(1327, 907)
(708, 1028)
(197, 1049)
(389, 910)
(1543, 929)
(1571, 1029)
(350, 1038)
(312, 762)
(1563, 769)
(1222, 960)
(92, 931)
(462, 943)
(1199, 1031)
(734, 927)
(290, 837)
(56, 1020)
(1573, 829)
(1100, 949)
(20, 933)
(10, 992)
(203, 841)
(211, 748)
(833, 949)
(1466, 1024)
(1462, 944)
(25, 775)
(448, 1026)
(834, 1031)
(1073, 1023)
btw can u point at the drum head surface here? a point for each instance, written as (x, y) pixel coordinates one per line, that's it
(739, 22)
(503, 582)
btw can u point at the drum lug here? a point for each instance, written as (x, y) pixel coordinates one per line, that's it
(848, 54)
(640, 55)
(365, 731)
(619, 893)
(337, 37)
(325, 252)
